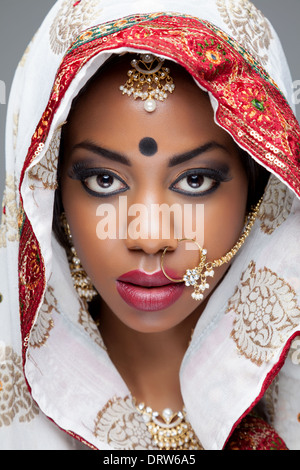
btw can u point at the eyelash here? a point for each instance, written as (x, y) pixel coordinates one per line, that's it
(215, 176)
(82, 172)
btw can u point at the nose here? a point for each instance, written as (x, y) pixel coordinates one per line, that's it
(150, 246)
(151, 229)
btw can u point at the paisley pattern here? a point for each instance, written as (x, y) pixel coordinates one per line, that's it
(266, 310)
(71, 18)
(276, 206)
(44, 324)
(85, 319)
(15, 399)
(294, 352)
(9, 221)
(45, 170)
(121, 426)
(248, 26)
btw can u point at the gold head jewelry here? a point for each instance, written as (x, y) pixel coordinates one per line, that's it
(148, 81)
(197, 277)
(81, 281)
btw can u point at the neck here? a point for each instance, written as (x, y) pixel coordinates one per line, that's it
(149, 363)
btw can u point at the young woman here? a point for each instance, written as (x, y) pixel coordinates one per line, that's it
(149, 235)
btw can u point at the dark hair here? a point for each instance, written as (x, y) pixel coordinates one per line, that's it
(258, 178)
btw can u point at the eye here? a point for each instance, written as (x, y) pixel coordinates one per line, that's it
(195, 183)
(104, 183)
(199, 182)
(98, 182)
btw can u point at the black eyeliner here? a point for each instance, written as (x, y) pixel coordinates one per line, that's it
(81, 171)
(218, 175)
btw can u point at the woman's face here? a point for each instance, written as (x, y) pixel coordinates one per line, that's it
(121, 165)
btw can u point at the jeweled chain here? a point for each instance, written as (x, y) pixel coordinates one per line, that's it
(205, 270)
(240, 242)
(170, 431)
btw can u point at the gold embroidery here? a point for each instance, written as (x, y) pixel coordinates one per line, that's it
(45, 171)
(71, 19)
(9, 221)
(27, 50)
(15, 399)
(15, 129)
(44, 324)
(121, 426)
(266, 311)
(248, 26)
(276, 206)
(294, 352)
(89, 325)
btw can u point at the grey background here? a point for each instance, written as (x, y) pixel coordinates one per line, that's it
(19, 20)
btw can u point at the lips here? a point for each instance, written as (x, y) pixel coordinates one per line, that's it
(148, 292)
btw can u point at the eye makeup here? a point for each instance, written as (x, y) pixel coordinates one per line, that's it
(200, 181)
(99, 182)
(195, 182)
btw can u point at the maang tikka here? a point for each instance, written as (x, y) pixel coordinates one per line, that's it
(148, 80)
(198, 277)
(82, 283)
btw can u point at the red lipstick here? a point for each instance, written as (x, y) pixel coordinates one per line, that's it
(149, 292)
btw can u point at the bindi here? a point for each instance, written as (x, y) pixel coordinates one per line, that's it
(148, 147)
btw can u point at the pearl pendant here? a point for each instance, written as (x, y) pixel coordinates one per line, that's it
(150, 105)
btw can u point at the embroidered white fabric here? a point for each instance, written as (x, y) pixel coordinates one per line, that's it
(233, 351)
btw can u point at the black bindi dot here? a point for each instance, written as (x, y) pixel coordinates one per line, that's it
(148, 146)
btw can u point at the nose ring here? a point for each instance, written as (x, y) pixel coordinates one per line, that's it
(206, 269)
(192, 276)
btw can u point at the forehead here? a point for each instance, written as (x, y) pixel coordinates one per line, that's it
(106, 116)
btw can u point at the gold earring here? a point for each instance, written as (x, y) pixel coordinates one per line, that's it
(148, 80)
(197, 277)
(82, 283)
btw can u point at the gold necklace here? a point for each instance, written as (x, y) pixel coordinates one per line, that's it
(170, 431)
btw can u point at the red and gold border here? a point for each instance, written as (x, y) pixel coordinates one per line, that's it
(250, 107)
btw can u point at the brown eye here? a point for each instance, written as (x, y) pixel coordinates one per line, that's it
(195, 184)
(105, 181)
(195, 181)
(104, 184)
(99, 182)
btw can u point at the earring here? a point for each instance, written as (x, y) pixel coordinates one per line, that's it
(82, 283)
(148, 80)
(197, 277)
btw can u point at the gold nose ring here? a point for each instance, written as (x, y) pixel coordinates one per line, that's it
(197, 277)
(192, 276)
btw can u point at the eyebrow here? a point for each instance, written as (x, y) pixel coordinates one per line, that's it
(102, 152)
(184, 157)
(176, 160)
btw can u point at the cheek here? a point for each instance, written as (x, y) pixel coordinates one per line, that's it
(81, 213)
(224, 220)
(100, 257)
